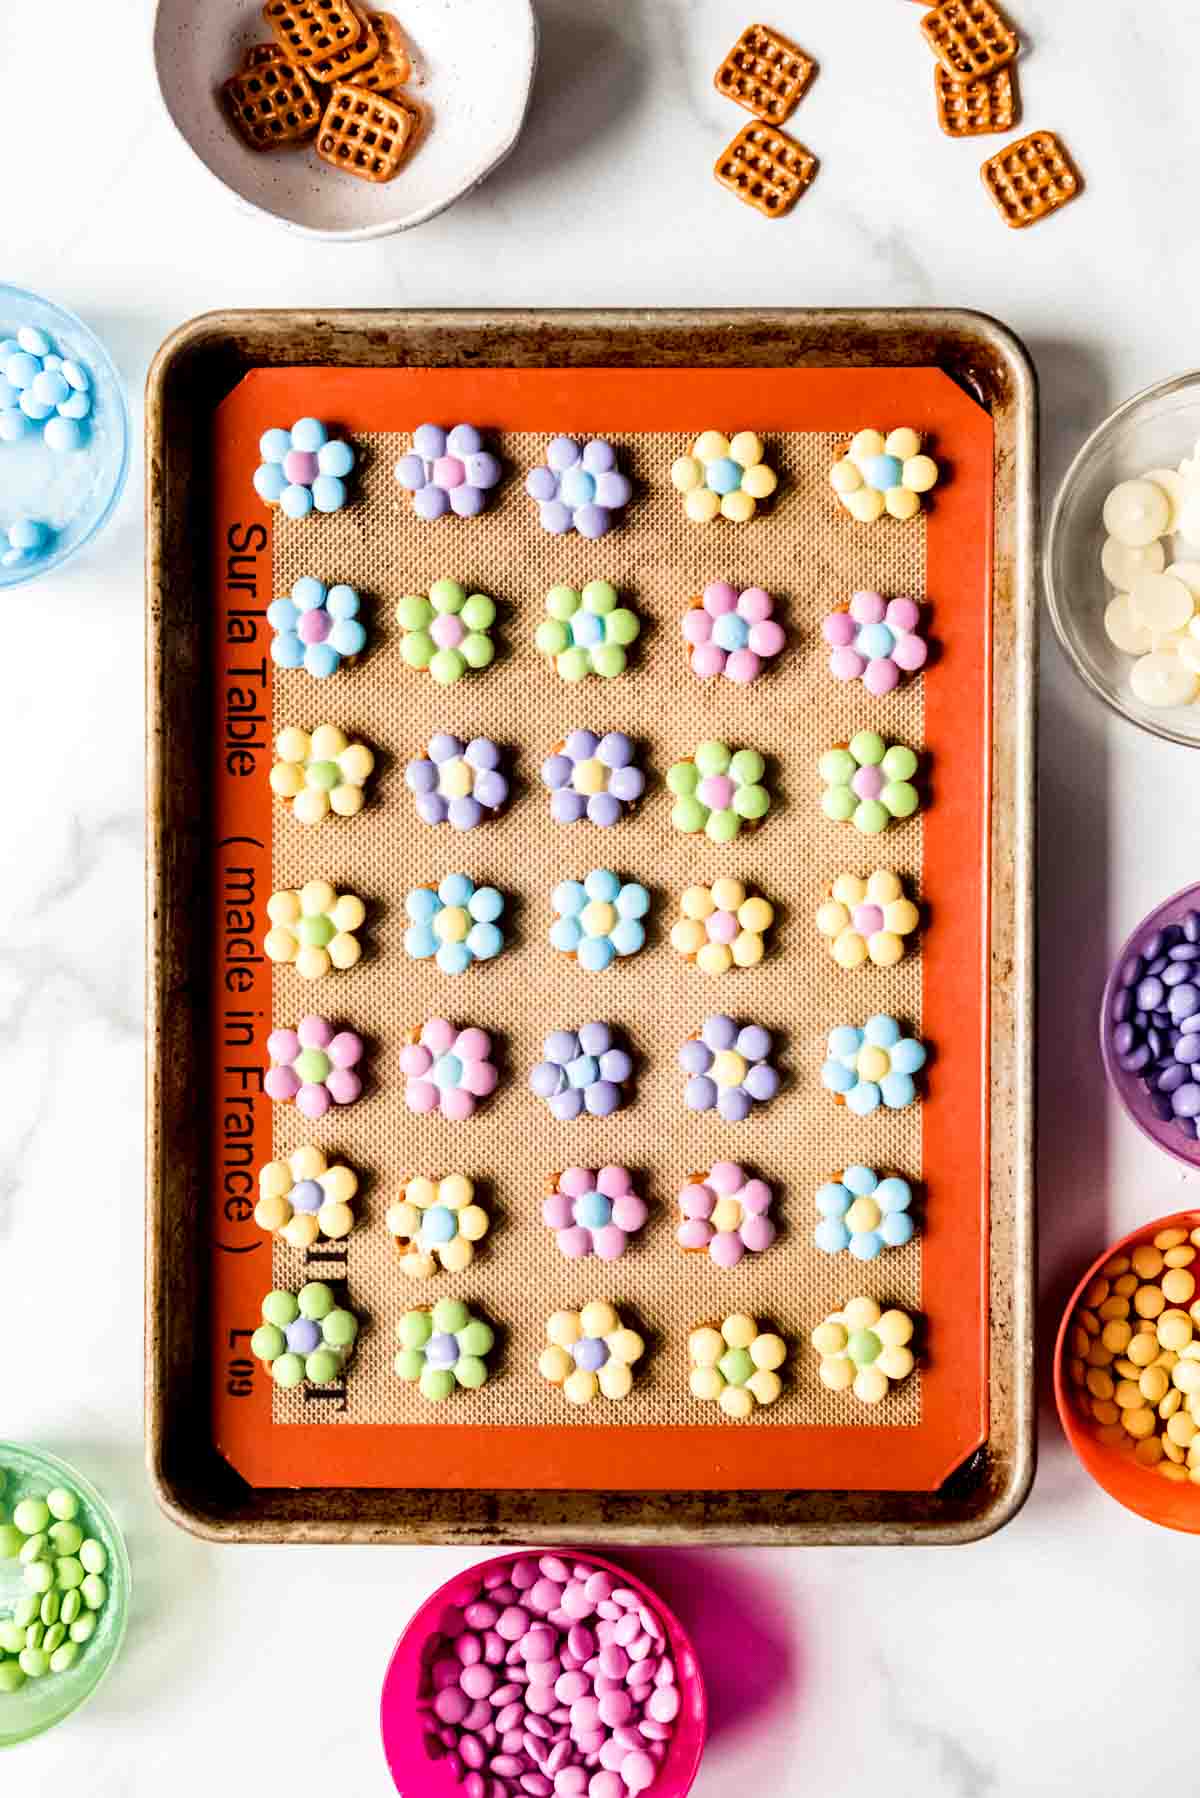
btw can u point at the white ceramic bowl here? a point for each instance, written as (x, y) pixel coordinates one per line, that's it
(473, 67)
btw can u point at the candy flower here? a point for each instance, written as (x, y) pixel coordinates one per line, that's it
(599, 918)
(727, 1212)
(314, 929)
(447, 1070)
(868, 783)
(583, 1070)
(731, 633)
(305, 1335)
(864, 1348)
(873, 1066)
(448, 632)
(578, 489)
(593, 1211)
(722, 926)
(448, 471)
(876, 641)
(723, 478)
(303, 468)
(321, 773)
(878, 474)
(436, 1224)
(728, 1068)
(591, 1353)
(443, 1349)
(314, 1066)
(456, 923)
(457, 783)
(867, 920)
(736, 1364)
(317, 629)
(303, 1198)
(864, 1214)
(41, 389)
(587, 632)
(718, 791)
(593, 777)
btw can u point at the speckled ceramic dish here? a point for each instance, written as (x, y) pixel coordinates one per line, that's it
(472, 74)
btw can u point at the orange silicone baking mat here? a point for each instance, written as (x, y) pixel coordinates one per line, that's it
(518, 1431)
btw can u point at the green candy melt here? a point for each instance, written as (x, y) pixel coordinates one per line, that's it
(12, 1677)
(10, 1541)
(315, 1300)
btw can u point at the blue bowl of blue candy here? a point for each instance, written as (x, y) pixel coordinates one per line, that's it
(64, 436)
(1150, 1026)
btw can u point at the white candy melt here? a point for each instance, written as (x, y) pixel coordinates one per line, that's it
(1130, 638)
(1161, 680)
(1161, 604)
(1172, 483)
(1122, 564)
(1136, 512)
(1189, 574)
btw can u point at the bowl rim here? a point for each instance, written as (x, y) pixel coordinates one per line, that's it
(98, 353)
(1115, 1076)
(384, 227)
(1157, 390)
(697, 1684)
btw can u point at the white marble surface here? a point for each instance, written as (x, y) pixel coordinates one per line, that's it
(954, 1673)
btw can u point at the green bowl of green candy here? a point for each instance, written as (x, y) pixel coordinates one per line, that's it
(64, 1591)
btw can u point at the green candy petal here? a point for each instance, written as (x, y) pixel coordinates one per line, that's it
(447, 667)
(280, 1308)
(562, 602)
(470, 1371)
(315, 1300)
(622, 626)
(899, 799)
(477, 1338)
(608, 660)
(415, 1329)
(339, 1328)
(747, 767)
(409, 1363)
(899, 763)
(287, 1371)
(837, 767)
(437, 1382)
(574, 664)
(722, 826)
(712, 757)
(751, 802)
(868, 748)
(447, 596)
(322, 1366)
(688, 815)
(267, 1342)
(450, 1316)
(414, 612)
(683, 778)
(477, 650)
(601, 597)
(870, 817)
(552, 637)
(417, 649)
(479, 613)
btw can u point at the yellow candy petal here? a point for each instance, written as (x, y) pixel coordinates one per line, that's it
(316, 898)
(832, 918)
(739, 1330)
(746, 449)
(697, 902)
(710, 446)
(705, 1383)
(473, 1223)
(598, 1319)
(865, 505)
(706, 1346)
(870, 1384)
(626, 1346)
(765, 1385)
(272, 1212)
(301, 1231)
(286, 780)
(348, 912)
(702, 505)
(896, 1363)
(616, 1380)
(894, 1327)
(738, 506)
(343, 951)
(902, 443)
(901, 503)
(727, 894)
(339, 1185)
(837, 1373)
(279, 944)
(768, 1351)
(849, 890)
(865, 444)
(346, 801)
(883, 886)
(686, 473)
(555, 1364)
(920, 474)
(715, 958)
(760, 482)
(456, 1254)
(756, 914)
(737, 1401)
(829, 1338)
(564, 1328)
(747, 949)
(276, 1179)
(886, 949)
(328, 743)
(860, 1314)
(849, 950)
(581, 1386)
(455, 1191)
(284, 908)
(336, 1221)
(310, 806)
(845, 476)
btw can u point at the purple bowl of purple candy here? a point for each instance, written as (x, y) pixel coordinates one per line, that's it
(1150, 1026)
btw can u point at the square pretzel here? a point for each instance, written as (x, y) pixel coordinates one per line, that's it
(272, 104)
(365, 134)
(764, 73)
(327, 38)
(969, 38)
(973, 108)
(1030, 179)
(766, 169)
(392, 67)
(258, 54)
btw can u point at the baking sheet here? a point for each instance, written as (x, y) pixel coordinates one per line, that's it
(518, 1431)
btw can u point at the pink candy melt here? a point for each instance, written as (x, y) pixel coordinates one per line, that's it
(571, 1713)
(707, 660)
(301, 468)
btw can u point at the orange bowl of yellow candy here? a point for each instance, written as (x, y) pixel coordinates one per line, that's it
(1127, 1371)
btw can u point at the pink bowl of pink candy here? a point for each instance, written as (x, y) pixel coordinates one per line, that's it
(875, 640)
(731, 633)
(544, 1676)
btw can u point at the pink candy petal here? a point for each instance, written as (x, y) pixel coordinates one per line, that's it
(707, 660)
(697, 625)
(867, 608)
(438, 1035)
(743, 665)
(456, 1103)
(719, 597)
(726, 1177)
(755, 604)
(421, 1096)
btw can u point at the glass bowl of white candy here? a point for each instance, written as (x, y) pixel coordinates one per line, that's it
(1123, 560)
